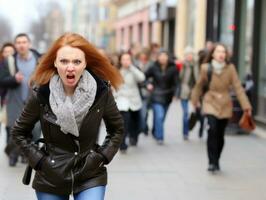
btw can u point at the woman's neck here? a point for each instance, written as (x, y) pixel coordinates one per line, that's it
(69, 91)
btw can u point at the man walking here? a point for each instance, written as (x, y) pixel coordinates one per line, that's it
(15, 76)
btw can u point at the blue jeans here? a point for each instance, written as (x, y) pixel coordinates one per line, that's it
(159, 111)
(144, 116)
(95, 193)
(184, 103)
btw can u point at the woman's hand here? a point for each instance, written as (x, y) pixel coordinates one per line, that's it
(150, 87)
(196, 104)
(249, 111)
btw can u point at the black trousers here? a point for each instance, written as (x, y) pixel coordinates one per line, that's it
(131, 126)
(215, 141)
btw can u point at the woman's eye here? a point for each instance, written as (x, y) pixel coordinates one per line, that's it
(76, 62)
(64, 61)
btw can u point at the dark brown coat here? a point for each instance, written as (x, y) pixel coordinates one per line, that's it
(68, 164)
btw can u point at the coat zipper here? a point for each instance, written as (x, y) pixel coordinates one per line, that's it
(72, 182)
(72, 173)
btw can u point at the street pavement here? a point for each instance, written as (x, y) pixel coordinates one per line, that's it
(173, 171)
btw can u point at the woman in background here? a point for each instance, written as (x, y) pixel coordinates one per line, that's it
(217, 103)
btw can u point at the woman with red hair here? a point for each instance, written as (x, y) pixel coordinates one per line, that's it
(71, 95)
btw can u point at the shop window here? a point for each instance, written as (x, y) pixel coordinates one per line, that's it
(227, 23)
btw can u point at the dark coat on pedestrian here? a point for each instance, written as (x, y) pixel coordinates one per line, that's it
(164, 82)
(2, 89)
(69, 164)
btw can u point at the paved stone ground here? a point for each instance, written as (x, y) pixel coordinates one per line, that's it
(174, 171)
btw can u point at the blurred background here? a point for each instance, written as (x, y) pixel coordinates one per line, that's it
(115, 25)
(176, 170)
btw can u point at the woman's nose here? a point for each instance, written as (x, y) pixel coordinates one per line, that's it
(70, 67)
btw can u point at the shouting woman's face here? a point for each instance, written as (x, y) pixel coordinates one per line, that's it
(70, 63)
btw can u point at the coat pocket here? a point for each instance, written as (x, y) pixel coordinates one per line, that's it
(54, 170)
(90, 164)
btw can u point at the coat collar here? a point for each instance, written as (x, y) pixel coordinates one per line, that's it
(43, 92)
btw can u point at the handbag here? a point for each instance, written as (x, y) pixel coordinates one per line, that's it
(192, 120)
(246, 122)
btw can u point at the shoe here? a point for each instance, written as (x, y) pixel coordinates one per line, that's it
(217, 167)
(24, 160)
(160, 142)
(146, 133)
(213, 167)
(123, 151)
(185, 137)
(132, 142)
(12, 161)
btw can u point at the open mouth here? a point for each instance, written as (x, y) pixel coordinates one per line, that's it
(70, 77)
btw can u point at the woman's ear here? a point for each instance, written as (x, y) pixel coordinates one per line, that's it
(55, 64)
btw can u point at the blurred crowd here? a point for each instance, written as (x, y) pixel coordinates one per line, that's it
(153, 78)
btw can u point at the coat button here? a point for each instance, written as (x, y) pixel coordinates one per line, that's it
(91, 151)
(52, 161)
(76, 153)
(98, 110)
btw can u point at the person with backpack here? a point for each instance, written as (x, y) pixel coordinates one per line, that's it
(188, 76)
(217, 103)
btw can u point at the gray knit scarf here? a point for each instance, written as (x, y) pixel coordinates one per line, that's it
(70, 111)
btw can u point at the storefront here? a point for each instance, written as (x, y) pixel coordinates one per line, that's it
(167, 18)
(132, 29)
(259, 60)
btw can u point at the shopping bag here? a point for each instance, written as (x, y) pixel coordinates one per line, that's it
(246, 122)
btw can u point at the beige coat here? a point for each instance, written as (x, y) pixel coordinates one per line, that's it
(217, 101)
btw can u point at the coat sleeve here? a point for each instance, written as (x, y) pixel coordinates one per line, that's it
(6, 80)
(138, 75)
(21, 131)
(197, 90)
(239, 90)
(114, 128)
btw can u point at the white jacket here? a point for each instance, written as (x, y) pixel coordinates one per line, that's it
(127, 96)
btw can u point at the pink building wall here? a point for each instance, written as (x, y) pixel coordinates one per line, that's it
(132, 20)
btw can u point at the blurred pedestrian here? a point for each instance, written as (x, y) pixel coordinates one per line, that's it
(7, 50)
(143, 62)
(188, 77)
(202, 56)
(134, 50)
(217, 103)
(71, 97)
(164, 79)
(129, 101)
(203, 53)
(15, 76)
(154, 51)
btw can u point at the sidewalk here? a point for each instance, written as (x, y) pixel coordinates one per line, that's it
(174, 171)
